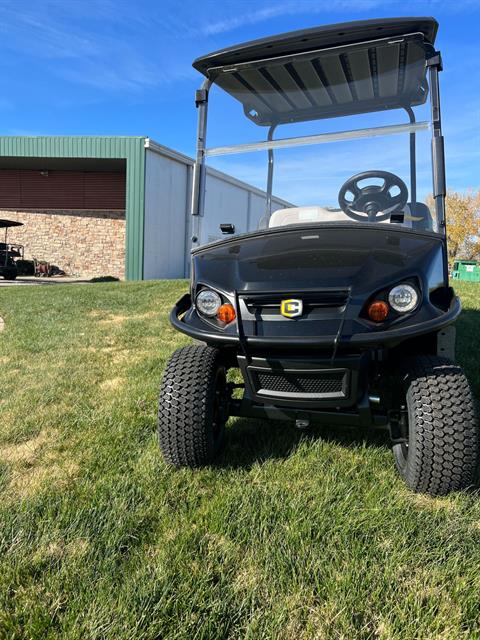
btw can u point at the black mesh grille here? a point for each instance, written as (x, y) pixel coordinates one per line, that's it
(311, 300)
(330, 383)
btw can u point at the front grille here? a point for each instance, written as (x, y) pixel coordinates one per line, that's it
(311, 300)
(329, 384)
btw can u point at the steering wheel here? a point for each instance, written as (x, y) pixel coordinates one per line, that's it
(372, 203)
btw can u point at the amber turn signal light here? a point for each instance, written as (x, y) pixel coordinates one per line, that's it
(378, 311)
(226, 313)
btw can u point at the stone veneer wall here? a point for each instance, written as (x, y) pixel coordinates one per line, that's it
(82, 243)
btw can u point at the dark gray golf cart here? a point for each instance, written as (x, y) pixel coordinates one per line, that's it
(9, 252)
(341, 315)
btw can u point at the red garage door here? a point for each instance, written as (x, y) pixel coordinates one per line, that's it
(31, 189)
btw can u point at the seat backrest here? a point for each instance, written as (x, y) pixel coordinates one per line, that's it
(297, 215)
(420, 216)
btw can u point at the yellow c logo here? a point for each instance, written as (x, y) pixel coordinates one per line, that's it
(291, 308)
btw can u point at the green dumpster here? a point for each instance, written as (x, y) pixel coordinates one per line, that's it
(466, 270)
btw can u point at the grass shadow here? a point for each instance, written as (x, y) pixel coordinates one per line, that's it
(249, 441)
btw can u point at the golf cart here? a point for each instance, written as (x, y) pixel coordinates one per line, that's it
(339, 314)
(9, 252)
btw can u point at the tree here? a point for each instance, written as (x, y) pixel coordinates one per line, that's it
(463, 224)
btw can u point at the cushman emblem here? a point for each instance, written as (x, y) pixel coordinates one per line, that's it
(291, 308)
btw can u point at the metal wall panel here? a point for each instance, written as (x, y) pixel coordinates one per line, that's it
(51, 190)
(224, 202)
(104, 189)
(229, 200)
(167, 210)
(34, 189)
(166, 190)
(10, 191)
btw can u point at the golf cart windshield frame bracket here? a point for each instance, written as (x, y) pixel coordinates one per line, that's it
(435, 60)
(201, 96)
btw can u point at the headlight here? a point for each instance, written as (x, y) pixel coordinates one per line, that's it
(403, 298)
(208, 302)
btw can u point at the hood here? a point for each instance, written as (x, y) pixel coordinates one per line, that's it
(361, 257)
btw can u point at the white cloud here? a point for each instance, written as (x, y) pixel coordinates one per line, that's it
(250, 12)
(80, 42)
(252, 15)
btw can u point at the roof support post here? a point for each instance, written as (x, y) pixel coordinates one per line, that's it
(268, 202)
(434, 65)
(199, 168)
(413, 162)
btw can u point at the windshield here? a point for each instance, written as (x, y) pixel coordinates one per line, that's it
(343, 136)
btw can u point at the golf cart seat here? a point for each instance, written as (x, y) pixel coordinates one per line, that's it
(299, 215)
(421, 218)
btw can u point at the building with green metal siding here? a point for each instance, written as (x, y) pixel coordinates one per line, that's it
(97, 205)
(130, 149)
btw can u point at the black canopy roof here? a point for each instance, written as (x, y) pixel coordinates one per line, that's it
(9, 223)
(326, 71)
(330, 35)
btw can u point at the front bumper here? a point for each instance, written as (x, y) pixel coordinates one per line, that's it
(304, 382)
(371, 339)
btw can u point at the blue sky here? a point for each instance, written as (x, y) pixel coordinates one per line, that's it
(124, 68)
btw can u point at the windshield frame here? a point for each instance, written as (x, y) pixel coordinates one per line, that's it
(319, 138)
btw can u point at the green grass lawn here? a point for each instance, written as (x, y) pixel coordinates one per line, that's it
(289, 536)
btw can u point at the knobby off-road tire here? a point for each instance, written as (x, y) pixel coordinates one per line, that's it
(443, 435)
(192, 406)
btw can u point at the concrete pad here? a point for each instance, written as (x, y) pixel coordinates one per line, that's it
(32, 281)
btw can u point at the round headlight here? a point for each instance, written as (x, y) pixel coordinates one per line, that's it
(208, 302)
(403, 298)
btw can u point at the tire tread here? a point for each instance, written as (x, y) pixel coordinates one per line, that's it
(444, 448)
(185, 410)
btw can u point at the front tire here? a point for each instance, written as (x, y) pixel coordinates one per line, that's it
(193, 406)
(442, 451)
